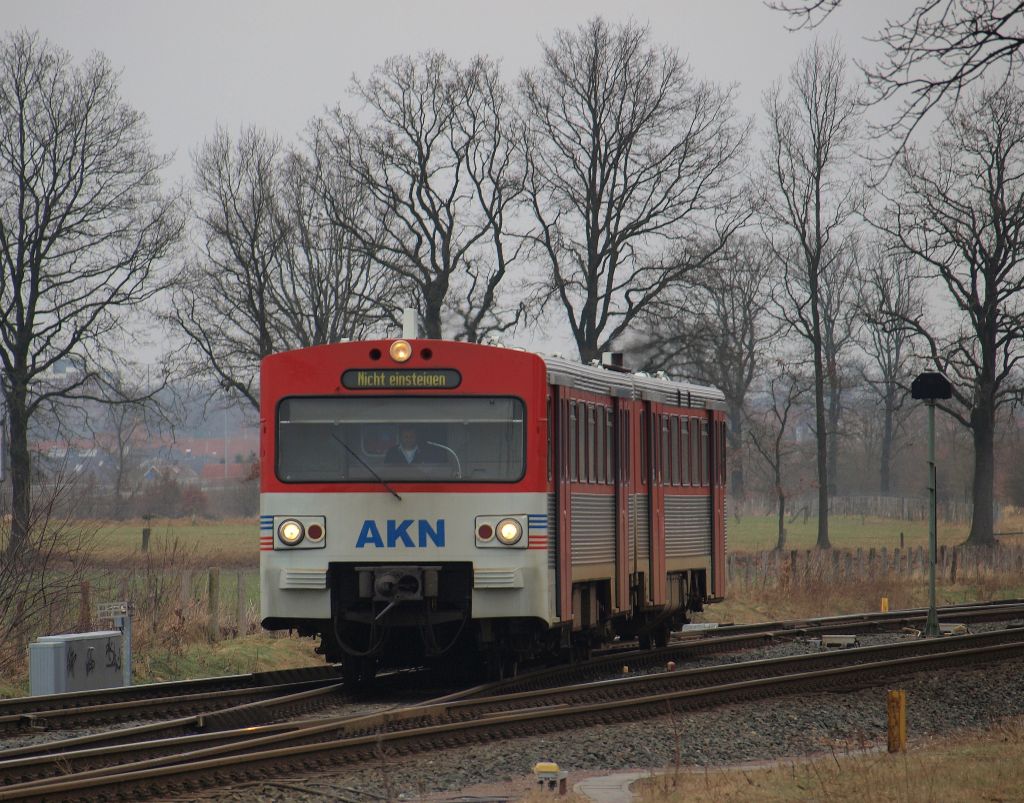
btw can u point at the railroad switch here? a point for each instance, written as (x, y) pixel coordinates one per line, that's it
(549, 775)
(836, 642)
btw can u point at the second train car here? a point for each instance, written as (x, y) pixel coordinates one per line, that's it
(428, 501)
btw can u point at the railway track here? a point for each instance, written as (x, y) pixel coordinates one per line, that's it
(258, 753)
(119, 701)
(733, 638)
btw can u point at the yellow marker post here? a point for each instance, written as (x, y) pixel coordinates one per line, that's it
(897, 709)
(885, 605)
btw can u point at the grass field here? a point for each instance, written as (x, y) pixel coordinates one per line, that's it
(979, 765)
(850, 532)
(233, 543)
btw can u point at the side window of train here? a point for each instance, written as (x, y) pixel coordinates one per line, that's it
(609, 446)
(602, 446)
(666, 453)
(585, 447)
(705, 463)
(643, 447)
(675, 450)
(572, 441)
(695, 451)
(684, 452)
(625, 454)
(722, 463)
(551, 443)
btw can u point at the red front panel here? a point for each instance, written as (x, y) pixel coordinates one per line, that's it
(483, 371)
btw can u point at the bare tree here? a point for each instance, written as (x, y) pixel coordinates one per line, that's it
(632, 168)
(934, 53)
(837, 291)
(224, 300)
(83, 229)
(809, 200)
(715, 327)
(770, 432)
(437, 151)
(275, 271)
(134, 412)
(330, 289)
(960, 211)
(890, 293)
(40, 581)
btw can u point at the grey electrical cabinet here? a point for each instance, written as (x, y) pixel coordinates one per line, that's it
(75, 662)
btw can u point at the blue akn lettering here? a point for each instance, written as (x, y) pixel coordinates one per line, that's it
(399, 534)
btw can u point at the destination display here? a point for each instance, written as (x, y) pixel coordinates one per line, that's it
(400, 379)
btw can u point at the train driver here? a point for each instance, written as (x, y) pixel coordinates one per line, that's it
(409, 449)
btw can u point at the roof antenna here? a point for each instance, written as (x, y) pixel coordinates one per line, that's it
(410, 324)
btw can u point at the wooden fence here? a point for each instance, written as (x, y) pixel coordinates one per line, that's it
(809, 568)
(223, 602)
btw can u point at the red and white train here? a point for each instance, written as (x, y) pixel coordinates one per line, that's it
(423, 500)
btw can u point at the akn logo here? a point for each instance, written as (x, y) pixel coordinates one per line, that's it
(398, 534)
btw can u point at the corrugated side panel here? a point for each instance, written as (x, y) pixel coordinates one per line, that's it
(687, 526)
(639, 528)
(552, 532)
(593, 529)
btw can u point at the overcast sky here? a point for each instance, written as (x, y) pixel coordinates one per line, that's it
(189, 65)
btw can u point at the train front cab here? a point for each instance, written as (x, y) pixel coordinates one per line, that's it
(411, 567)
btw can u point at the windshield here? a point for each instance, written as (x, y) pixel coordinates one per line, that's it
(408, 439)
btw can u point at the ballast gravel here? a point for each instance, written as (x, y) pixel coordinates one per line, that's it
(937, 703)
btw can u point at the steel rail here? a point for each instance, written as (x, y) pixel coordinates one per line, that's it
(45, 702)
(632, 690)
(194, 771)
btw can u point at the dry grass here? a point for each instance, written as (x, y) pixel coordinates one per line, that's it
(768, 601)
(979, 765)
(230, 543)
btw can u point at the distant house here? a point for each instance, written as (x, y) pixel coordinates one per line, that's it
(216, 474)
(158, 470)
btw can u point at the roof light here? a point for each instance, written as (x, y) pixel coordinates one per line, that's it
(400, 350)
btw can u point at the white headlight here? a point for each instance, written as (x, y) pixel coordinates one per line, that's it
(509, 531)
(290, 532)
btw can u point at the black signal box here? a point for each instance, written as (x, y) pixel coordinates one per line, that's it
(931, 385)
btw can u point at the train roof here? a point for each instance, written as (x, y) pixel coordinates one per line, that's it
(613, 382)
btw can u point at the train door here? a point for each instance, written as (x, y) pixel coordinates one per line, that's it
(565, 471)
(631, 569)
(657, 438)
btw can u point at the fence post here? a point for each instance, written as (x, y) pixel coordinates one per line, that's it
(897, 713)
(213, 605)
(240, 605)
(952, 571)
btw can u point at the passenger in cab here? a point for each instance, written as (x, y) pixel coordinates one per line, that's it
(411, 450)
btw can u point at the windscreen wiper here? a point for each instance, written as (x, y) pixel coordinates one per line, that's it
(367, 467)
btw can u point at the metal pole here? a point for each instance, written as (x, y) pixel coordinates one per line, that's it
(931, 627)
